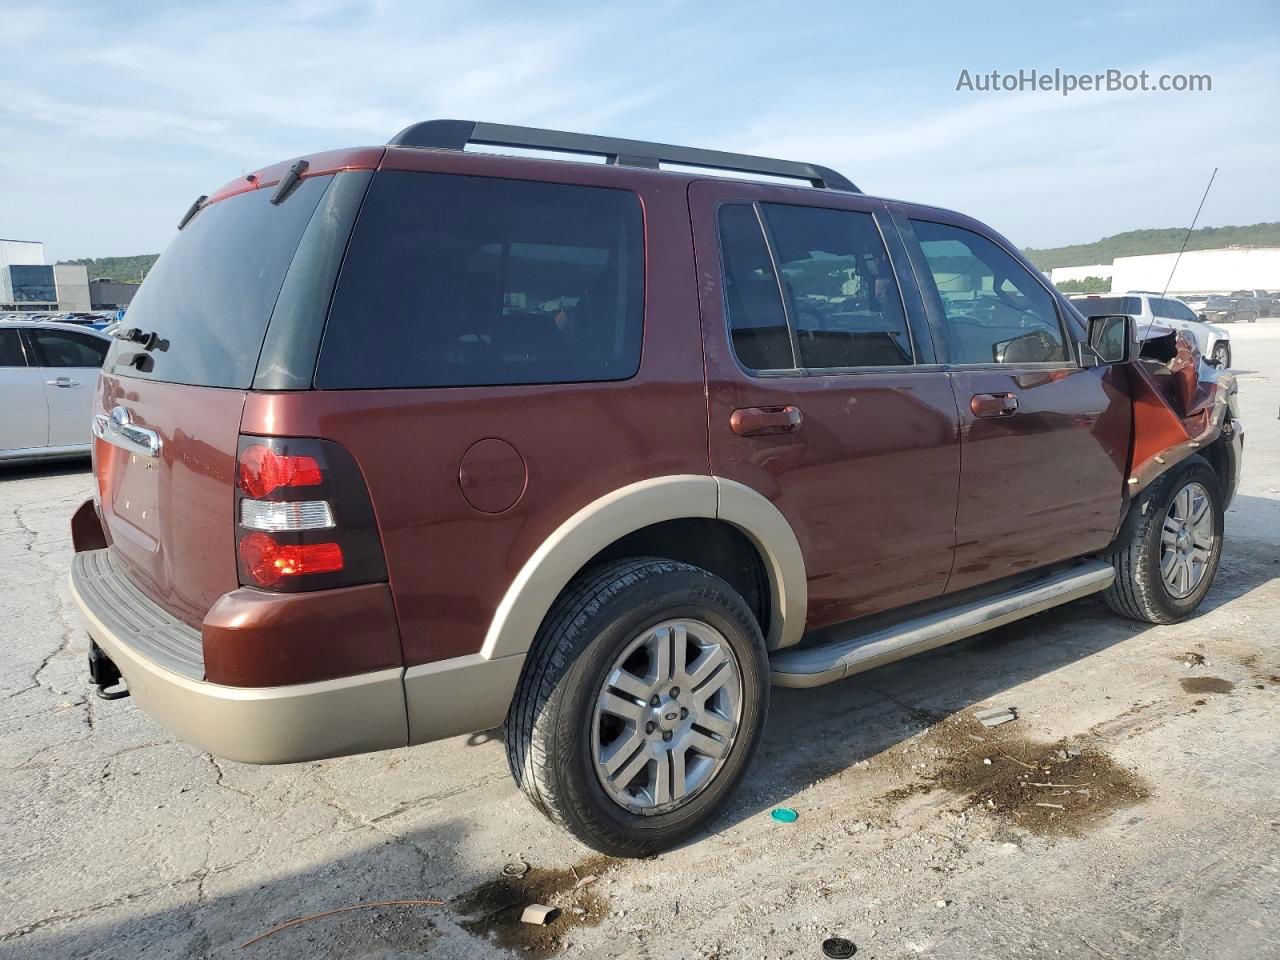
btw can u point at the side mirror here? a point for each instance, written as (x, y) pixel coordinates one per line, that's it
(1109, 340)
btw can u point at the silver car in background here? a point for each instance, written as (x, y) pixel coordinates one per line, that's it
(47, 376)
(1214, 342)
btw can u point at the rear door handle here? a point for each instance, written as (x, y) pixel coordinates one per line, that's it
(63, 382)
(993, 404)
(758, 421)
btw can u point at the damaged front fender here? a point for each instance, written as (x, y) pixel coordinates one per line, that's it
(1181, 406)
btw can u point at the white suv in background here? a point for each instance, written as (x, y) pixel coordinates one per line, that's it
(1145, 307)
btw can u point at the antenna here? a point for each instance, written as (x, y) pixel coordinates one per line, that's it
(1188, 236)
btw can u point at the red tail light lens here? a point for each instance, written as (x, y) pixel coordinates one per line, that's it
(268, 562)
(263, 470)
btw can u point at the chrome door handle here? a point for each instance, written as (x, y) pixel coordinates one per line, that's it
(63, 382)
(993, 404)
(758, 421)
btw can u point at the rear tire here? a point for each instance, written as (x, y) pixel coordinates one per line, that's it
(599, 698)
(1168, 550)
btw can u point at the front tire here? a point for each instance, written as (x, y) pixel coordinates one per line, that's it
(1169, 547)
(641, 704)
(1222, 354)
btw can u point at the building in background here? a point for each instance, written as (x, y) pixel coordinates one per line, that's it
(1198, 271)
(72, 282)
(28, 284)
(107, 294)
(26, 281)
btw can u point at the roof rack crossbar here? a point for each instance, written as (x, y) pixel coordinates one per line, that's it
(457, 134)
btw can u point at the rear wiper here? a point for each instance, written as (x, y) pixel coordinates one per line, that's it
(289, 182)
(192, 211)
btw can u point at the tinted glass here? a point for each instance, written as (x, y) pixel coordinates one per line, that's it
(757, 322)
(1099, 306)
(468, 281)
(996, 311)
(32, 283)
(11, 349)
(1173, 310)
(841, 292)
(211, 293)
(60, 348)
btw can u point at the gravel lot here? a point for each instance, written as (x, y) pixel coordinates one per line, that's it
(117, 841)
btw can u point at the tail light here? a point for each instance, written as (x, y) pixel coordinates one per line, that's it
(304, 520)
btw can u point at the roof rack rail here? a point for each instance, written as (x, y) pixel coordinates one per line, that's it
(456, 134)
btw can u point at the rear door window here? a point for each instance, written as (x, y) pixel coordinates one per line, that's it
(1172, 310)
(809, 287)
(11, 349)
(753, 299)
(996, 311)
(210, 295)
(841, 291)
(470, 281)
(64, 348)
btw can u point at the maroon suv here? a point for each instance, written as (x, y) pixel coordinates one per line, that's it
(412, 441)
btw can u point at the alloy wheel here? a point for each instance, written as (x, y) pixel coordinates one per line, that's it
(1186, 540)
(667, 716)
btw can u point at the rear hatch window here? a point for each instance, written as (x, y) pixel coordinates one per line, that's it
(470, 281)
(209, 297)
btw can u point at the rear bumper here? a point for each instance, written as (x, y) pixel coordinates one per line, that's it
(160, 658)
(281, 724)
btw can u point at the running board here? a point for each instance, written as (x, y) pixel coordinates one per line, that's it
(815, 666)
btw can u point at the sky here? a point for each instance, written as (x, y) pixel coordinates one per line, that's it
(115, 116)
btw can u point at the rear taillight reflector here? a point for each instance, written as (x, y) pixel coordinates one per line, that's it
(276, 515)
(269, 562)
(262, 470)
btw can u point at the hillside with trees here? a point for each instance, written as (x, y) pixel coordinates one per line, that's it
(124, 269)
(1138, 242)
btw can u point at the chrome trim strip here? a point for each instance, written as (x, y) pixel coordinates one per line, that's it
(815, 666)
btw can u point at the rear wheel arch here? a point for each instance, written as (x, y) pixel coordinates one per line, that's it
(642, 514)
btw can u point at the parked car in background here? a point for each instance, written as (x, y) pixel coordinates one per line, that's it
(1148, 308)
(1268, 303)
(47, 375)
(1224, 309)
(626, 446)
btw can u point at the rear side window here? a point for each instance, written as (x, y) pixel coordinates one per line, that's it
(1172, 310)
(1101, 306)
(62, 348)
(837, 304)
(996, 311)
(841, 292)
(470, 281)
(211, 293)
(11, 349)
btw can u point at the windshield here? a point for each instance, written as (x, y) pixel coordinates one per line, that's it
(211, 293)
